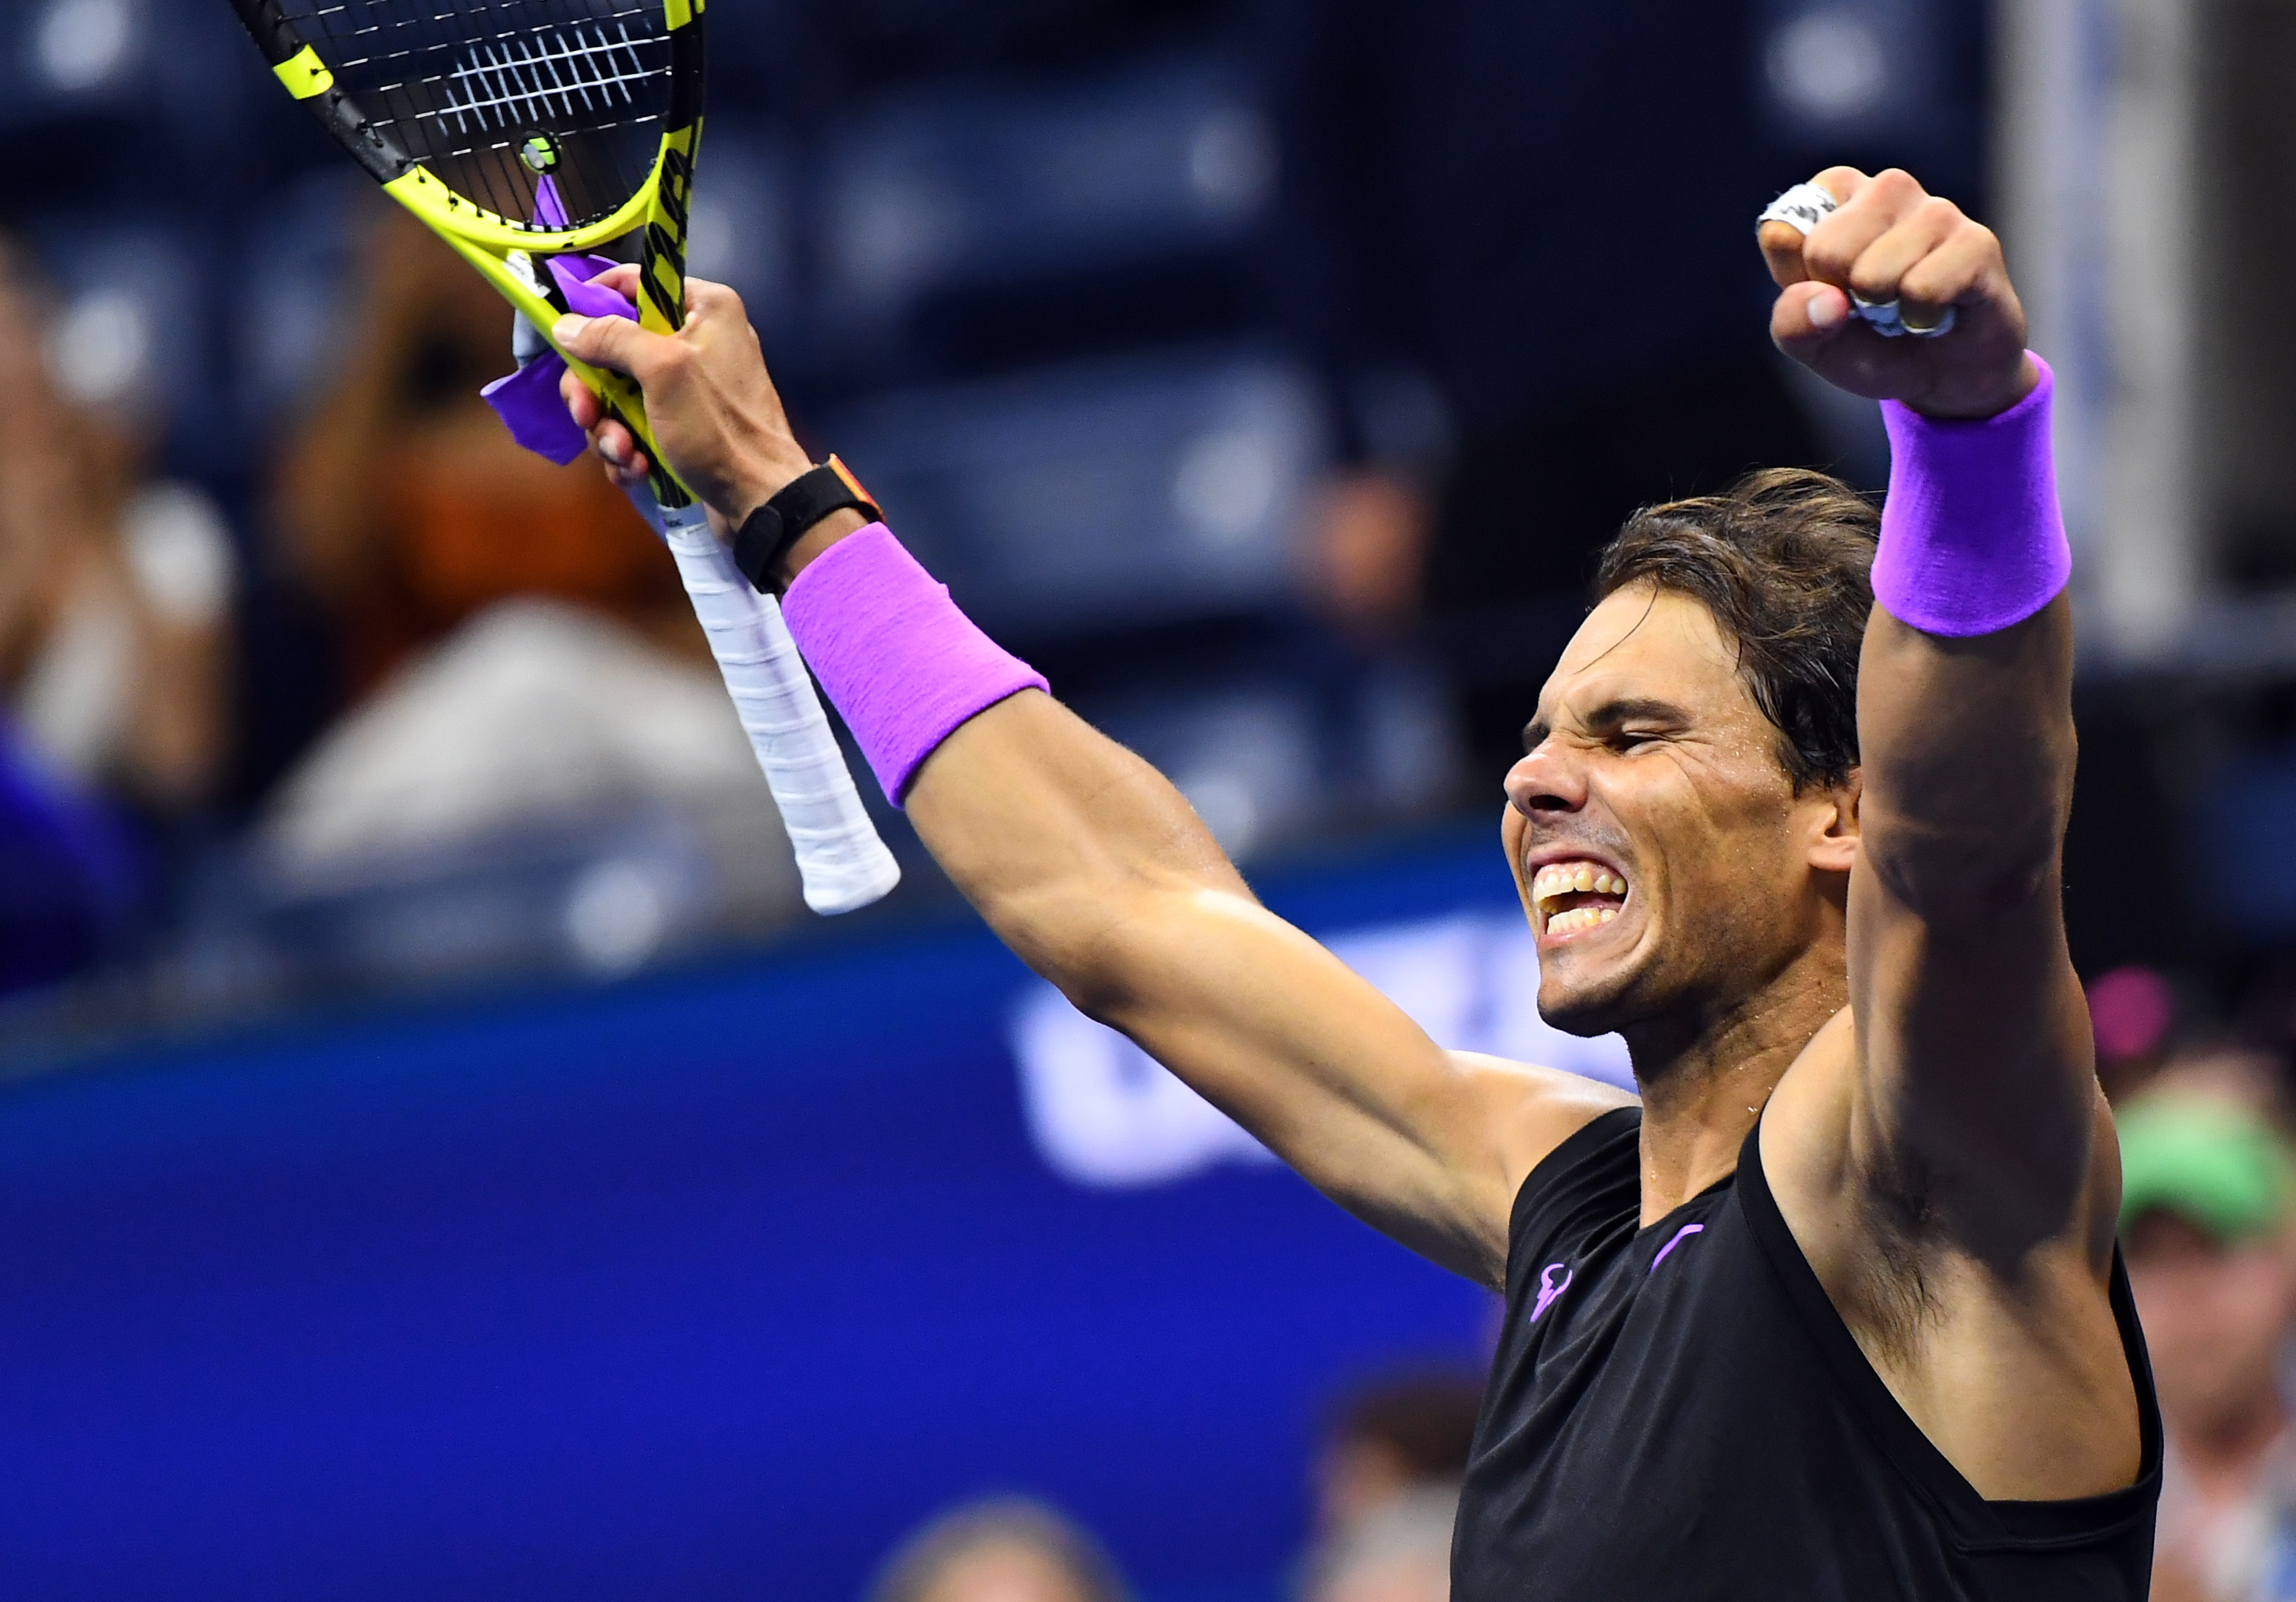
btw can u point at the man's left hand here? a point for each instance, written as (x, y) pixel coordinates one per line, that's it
(1893, 240)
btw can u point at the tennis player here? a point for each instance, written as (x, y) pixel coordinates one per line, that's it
(1834, 1309)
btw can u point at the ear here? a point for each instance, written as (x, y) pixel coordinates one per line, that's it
(1834, 841)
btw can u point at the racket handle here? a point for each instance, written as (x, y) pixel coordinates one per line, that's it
(844, 864)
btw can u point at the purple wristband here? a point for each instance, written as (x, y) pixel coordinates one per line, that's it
(901, 664)
(1972, 540)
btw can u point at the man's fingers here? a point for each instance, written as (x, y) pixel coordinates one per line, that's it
(618, 447)
(611, 342)
(1807, 316)
(1782, 245)
(1968, 259)
(1844, 183)
(628, 477)
(581, 406)
(1879, 272)
(704, 298)
(1876, 205)
(623, 278)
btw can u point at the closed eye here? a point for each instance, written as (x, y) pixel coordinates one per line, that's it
(1628, 724)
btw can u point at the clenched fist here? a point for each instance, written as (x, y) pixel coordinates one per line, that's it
(1893, 241)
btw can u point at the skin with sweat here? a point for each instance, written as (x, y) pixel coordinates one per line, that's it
(1881, 966)
(1648, 761)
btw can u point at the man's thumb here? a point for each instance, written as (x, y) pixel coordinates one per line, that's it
(610, 342)
(1806, 315)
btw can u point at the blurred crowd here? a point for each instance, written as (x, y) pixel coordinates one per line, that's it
(115, 591)
(331, 682)
(1386, 1485)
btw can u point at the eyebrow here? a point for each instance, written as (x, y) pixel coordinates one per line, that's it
(1610, 714)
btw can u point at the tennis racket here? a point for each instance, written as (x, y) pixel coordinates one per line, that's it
(584, 117)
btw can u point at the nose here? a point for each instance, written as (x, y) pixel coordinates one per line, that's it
(1546, 782)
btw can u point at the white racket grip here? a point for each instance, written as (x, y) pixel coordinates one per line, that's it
(844, 864)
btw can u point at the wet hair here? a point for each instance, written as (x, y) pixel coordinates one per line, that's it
(1783, 559)
(920, 1562)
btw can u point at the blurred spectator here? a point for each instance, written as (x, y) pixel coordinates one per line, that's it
(1390, 1439)
(115, 588)
(115, 648)
(408, 509)
(1006, 1549)
(1506, 385)
(521, 651)
(1401, 1553)
(2209, 1224)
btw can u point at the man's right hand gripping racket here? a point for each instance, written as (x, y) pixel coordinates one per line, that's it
(583, 118)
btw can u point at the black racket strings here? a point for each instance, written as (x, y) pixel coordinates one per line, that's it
(493, 95)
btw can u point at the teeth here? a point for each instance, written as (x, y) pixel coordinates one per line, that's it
(1579, 918)
(1563, 879)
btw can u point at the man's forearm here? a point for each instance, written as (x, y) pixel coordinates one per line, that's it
(1968, 748)
(1059, 836)
(1964, 709)
(1062, 838)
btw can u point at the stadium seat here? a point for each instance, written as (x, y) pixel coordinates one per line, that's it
(150, 97)
(1115, 495)
(300, 276)
(1248, 756)
(966, 190)
(1880, 83)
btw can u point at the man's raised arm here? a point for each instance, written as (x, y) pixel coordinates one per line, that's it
(1083, 858)
(1973, 1116)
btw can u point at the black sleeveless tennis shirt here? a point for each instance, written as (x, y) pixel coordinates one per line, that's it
(1678, 1412)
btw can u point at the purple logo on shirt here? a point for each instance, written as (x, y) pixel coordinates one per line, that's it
(1680, 1235)
(1549, 1289)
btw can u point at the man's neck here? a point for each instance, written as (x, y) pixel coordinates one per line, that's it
(1705, 1074)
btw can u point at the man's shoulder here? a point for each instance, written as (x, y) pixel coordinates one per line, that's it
(1538, 1111)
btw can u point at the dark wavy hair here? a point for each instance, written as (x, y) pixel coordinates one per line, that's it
(1784, 561)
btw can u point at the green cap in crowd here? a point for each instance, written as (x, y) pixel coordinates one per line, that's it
(2209, 1160)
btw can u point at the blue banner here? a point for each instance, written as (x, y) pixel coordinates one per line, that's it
(706, 1285)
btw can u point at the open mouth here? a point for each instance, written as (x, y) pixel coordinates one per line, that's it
(1574, 897)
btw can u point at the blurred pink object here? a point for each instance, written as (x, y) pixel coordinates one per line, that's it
(2131, 1009)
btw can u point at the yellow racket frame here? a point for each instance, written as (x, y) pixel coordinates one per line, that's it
(489, 244)
(495, 245)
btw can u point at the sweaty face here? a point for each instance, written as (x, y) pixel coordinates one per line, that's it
(1656, 841)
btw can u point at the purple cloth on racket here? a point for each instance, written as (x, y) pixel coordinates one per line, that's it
(1972, 539)
(528, 401)
(549, 205)
(902, 665)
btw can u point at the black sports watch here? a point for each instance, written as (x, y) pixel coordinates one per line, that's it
(768, 532)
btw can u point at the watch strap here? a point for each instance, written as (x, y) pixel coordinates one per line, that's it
(766, 535)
